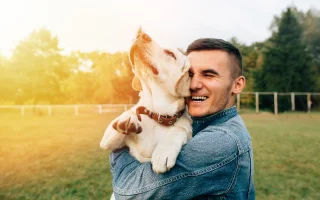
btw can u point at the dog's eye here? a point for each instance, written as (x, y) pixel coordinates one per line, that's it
(169, 53)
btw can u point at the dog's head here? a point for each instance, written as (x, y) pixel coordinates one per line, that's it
(167, 67)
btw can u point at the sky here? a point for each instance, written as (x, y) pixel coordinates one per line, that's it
(111, 25)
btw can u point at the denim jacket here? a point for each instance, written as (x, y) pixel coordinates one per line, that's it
(217, 163)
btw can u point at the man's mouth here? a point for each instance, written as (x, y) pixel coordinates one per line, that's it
(198, 98)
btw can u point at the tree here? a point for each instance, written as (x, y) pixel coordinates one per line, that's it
(78, 86)
(99, 78)
(38, 63)
(250, 58)
(310, 22)
(5, 77)
(250, 55)
(287, 65)
(311, 26)
(113, 79)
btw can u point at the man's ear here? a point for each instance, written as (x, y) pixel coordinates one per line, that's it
(238, 85)
(136, 84)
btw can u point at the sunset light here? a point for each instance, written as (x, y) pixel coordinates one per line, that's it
(110, 25)
(81, 81)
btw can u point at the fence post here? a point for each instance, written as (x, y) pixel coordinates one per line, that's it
(238, 101)
(293, 105)
(309, 102)
(257, 102)
(100, 109)
(22, 110)
(49, 111)
(275, 94)
(76, 110)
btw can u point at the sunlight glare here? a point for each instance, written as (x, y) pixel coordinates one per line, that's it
(18, 18)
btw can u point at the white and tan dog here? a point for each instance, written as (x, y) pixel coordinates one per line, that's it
(158, 126)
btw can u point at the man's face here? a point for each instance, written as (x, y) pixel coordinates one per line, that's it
(211, 82)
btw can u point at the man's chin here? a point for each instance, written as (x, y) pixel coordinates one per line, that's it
(196, 112)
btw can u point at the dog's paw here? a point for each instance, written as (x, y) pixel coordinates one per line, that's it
(127, 124)
(164, 158)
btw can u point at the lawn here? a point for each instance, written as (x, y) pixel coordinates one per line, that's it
(58, 157)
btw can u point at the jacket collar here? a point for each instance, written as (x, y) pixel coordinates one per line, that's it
(200, 123)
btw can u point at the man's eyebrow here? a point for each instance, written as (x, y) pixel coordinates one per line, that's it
(211, 71)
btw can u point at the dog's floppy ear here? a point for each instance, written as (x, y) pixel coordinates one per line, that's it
(136, 84)
(182, 87)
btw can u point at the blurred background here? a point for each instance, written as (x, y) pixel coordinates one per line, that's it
(65, 74)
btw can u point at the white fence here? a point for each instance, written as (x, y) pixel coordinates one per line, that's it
(76, 109)
(275, 99)
(112, 108)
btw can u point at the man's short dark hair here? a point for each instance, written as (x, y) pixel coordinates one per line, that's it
(219, 44)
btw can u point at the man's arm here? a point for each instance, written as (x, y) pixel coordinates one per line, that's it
(206, 165)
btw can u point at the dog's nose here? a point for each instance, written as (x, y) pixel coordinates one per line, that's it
(144, 37)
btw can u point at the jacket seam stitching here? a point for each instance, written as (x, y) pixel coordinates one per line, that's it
(176, 178)
(234, 177)
(240, 149)
(250, 179)
(230, 112)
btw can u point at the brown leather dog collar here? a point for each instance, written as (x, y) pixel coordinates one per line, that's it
(165, 120)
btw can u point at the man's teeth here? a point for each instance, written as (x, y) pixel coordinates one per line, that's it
(198, 98)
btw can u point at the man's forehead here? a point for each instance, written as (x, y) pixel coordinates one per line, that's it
(204, 69)
(203, 66)
(213, 59)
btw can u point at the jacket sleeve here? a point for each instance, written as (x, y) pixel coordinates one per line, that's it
(206, 165)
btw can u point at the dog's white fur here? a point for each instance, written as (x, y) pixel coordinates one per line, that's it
(162, 78)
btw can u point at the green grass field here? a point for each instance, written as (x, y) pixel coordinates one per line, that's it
(59, 157)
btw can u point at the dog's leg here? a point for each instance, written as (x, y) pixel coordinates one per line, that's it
(112, 197)
(112, 139)
(165, 154)
(126, 123)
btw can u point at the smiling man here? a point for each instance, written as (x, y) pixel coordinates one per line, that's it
(212, 81)
(217, 163)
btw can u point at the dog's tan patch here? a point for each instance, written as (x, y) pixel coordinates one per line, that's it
(136, 84)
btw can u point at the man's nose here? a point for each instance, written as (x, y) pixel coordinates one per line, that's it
(196, 83)
(143, 37)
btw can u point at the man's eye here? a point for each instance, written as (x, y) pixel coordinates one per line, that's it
(209, 75)
(169, 53)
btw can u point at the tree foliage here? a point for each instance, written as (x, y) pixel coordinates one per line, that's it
(287, 65)
(310, 23)
(250, 60)
(38, 72)
(37, 63)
